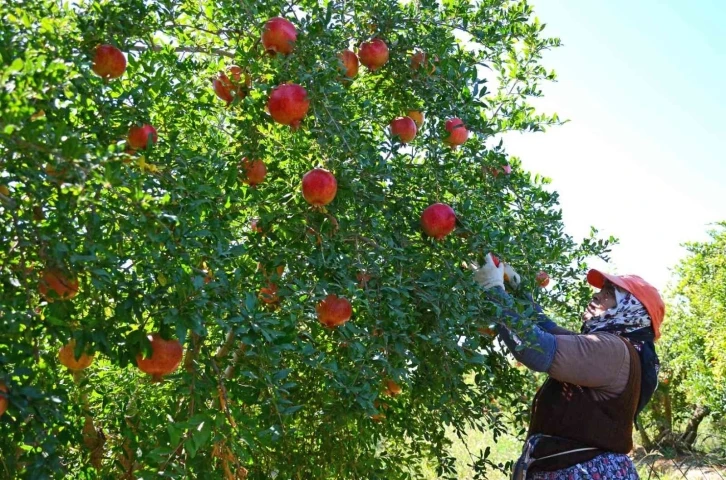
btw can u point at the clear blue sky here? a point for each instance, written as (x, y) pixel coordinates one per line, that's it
(643, 83)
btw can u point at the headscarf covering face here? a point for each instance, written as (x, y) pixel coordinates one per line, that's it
(626, 316)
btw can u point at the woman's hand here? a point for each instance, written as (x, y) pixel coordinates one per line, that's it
(490, 275)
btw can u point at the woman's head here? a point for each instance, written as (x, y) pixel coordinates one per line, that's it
(601, 302)
(632, 291)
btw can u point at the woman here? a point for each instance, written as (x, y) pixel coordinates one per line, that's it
(582, 417)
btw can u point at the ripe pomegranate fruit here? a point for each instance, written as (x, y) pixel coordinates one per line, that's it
(542, 279)
(457, 132)
(269, 295)
(255, 225)
(487, 331)
(420, 59)
(438, 220)
(108, 62)
(404, 128)
(391, 388)
(350, 63)
(3, 398)
(288, 104)
(166, 355)
(67, 357)
(254, 171)
(417, 116)
(373, 54)
(363, 279)
(63, 287)
(378, 417)
(139, 137)
(319, 187)
(334, 311)
(229, 86)
(279, 36)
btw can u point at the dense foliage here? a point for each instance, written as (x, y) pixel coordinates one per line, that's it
(693, 376)
(160, 237)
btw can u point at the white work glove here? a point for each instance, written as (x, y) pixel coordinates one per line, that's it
(489, 275)
(510, 276)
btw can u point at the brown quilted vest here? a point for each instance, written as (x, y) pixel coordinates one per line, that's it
(570, 412)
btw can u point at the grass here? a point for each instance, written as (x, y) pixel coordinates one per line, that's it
(505, 449)
(509, 447)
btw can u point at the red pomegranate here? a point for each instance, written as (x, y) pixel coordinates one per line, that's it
(3, 398)
(334, 311)
(373, 54)
(255, 225)
(420, 59)
(457, 132)
(67, 357)
(279, 36)
(363, 278)
(139, 136)
(391, 388)
(108, 62)
(404, 128)
(63, 287)
(350, 63)
(269, 295)
(166, 355)
(542, 279)
(229, 86)
(288, 104)
(495, 259)
(319, 187)
(438, 220)
(254, 171)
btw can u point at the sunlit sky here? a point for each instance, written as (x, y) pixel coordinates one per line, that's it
(643, 84)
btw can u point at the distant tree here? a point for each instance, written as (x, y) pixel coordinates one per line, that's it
(693, 347)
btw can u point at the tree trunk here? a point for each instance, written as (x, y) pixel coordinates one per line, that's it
(691, 432)
(645, 439)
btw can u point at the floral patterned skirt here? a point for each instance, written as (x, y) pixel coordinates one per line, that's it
(603, 467)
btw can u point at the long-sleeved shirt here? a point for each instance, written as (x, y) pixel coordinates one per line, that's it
(598, 361)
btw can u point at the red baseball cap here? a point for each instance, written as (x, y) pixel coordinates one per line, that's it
(646, 293)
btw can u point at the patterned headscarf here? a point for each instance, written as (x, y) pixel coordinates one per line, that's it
(626, 316)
